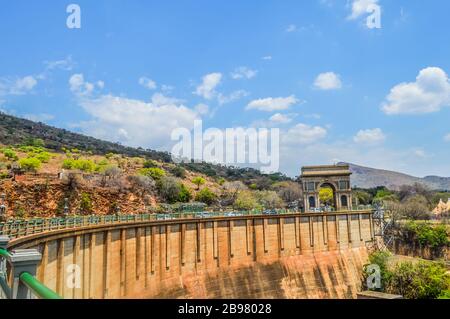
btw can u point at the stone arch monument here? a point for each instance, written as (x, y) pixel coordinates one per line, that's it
(337, 177)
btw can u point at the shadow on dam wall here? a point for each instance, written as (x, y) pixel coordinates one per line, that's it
(285, 256)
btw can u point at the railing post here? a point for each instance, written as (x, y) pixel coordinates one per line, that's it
(23, 260)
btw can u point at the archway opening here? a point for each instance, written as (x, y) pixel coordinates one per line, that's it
(327, 196)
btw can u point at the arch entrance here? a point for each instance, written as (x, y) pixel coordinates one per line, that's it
(326, 187)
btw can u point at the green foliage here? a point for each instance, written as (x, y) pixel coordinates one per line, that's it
(169, 189)
(154, 172)
(178, 171)
(36, 142)
(246, 200)
(363, 197)
(10, 154)
(198, 181)
(418, 280)
(253, 186)
(269, 199)
(221, 181)
(86, 206)
(84, 165)
(206, 196)
(421, 280)
(30, 164)
(381, 259)
(427, 234)
(326, 196)
(44, 157)
(184, 195)
(150, 164)
(109, 155)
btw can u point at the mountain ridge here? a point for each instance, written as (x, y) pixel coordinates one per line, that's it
(367, 177)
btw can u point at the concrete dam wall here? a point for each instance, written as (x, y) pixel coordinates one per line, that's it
(279, 256)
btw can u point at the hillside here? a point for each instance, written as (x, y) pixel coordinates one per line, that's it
(365, 177)
(15, 130)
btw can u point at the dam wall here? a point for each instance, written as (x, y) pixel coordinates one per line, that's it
(272, 256)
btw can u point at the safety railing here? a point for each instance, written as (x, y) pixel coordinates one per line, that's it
(20, 228)
(17, 274)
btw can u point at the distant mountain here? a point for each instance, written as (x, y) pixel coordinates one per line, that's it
(366, 177)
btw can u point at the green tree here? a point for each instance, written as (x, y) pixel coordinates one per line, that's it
(30, 164)
(184, 195)
(198, 181)
(206, 196)
(326, 196)
(246, 200)
(86, 206)
(154, 172)
(10, 154)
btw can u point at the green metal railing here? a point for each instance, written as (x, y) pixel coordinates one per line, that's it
(24, 278)
(38, 289)
(20, 228)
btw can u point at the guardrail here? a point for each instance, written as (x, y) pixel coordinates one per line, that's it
(19, 228)
(20, 267)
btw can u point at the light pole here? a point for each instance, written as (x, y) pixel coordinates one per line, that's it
(66, 207)
(2, 208)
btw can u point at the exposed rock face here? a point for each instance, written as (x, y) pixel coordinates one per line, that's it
(442, 208)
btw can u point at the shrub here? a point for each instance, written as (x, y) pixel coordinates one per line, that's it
(154, 172)
(246, 200)
(185, 195)
(150, 164)
(30, 164)
(169, 189)
(269, 199)
(178, 171)
(206, 196)
(86, 203)
(44, 157)
(80, 164)
(10, 154)
(428, 235)
(198, 181)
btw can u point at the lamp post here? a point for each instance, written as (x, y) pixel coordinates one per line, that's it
(2, 208)
(66, 207)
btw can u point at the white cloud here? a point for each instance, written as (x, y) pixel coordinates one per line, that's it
(42, 117)
(328, 81)
(359, 8)
(208, 86)
(267, 57)
(233, 96)
(243, 72)
(66, 64)
(303, 134)
(81, 87)
(17, 86)
(429, 93)
(280, 118)
(291, 28)
(134, 122)
(273, 104)
(447, 137)
(369, 136)
(202, 108)
(147, 83)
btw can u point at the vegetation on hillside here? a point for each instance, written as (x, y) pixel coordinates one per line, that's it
(413, 280)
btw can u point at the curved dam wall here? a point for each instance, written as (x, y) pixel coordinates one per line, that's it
(282, 256)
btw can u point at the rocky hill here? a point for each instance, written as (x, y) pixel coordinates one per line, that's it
(365, 177)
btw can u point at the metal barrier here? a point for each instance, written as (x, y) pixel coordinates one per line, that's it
(20, 267)
(20, 228)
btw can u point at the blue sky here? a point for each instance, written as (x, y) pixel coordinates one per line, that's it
(338, 90)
